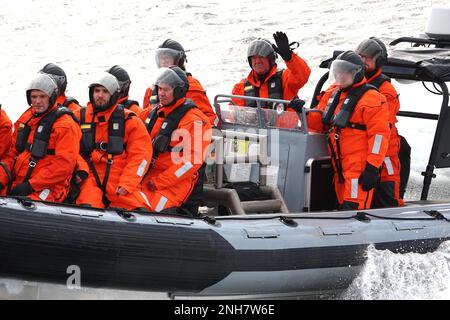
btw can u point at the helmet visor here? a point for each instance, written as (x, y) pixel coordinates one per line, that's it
(169, 77)
(166, 57)
(342, 73)
(124, 85)
(261, 48)
(369, 48)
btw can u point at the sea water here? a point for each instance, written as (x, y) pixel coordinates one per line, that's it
(386, 275)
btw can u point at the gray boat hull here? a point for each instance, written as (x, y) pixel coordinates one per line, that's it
(305, 253)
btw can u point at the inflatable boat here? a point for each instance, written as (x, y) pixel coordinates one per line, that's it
(271, 227)
(304, 254)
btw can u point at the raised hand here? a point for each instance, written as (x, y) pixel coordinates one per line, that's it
(282, 45)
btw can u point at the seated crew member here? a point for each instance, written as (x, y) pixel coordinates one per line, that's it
(5, 133)
(265, 80)
(169, 53)
(45, 145)
(116, 146)
(81, 171)
(387, 191)
(355, 116)
(60, 78)
(181, 134)
(124, 83)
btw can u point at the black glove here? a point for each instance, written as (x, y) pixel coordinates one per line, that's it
(297, 105)
(22, 189)
(282, 47)
(2, 186)
(368, 177)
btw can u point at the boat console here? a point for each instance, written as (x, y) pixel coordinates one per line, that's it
(298, 164)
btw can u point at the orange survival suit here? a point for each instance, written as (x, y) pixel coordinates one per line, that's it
(68, 102)
(5, 133)
(131, 105)
(283, 84)
(174, 172)
(81, 167)
(363, 140)
(196, 93)
(279, 84)
(118, 151)
(387, 192)
(48, 169)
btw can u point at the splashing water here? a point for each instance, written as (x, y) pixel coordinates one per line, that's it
(413, 276)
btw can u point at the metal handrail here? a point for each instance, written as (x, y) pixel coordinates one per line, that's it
(261, 124)
(258, 99)
(420, 41)
(429, 172)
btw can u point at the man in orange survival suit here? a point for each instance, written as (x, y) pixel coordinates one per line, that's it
(116, 146)
(265, 81)
(82, 172)
(374, 54)
(170, 53)
(181, 134)
(59, 76)
(45, 146)
(124, 83)
(5, 133)
(356, 118)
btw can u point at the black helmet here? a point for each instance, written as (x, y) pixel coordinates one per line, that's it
(172, 44)
(263, 48)
(175, 77)
(111, 84)
(124, 79)
(175, 50)
(373, 48)
(57, 74)
(349, 63)
(45, 83)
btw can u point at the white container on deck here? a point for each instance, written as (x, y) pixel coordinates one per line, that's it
(438, 25)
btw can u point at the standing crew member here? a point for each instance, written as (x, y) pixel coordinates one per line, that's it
(60, 78)
(374, 54)
(265, 81)
(45, 147)
(355, 115)
(170, 53)
(116, 147)
(124, 83)
(181, 134)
